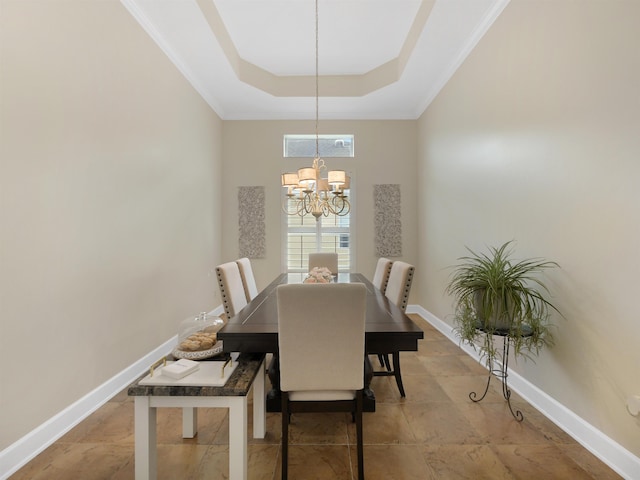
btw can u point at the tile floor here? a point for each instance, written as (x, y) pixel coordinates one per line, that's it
(436, 432)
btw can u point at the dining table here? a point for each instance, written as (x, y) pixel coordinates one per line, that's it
(255, 330)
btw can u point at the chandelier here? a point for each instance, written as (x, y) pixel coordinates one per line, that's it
(308, 191)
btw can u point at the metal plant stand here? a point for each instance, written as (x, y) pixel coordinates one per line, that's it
(501, 372)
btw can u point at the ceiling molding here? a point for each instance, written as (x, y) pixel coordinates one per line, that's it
(434, 37)
(305, 85)
(457, 60)
(165, 46)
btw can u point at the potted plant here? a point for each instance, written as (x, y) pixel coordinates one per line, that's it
(495, 295)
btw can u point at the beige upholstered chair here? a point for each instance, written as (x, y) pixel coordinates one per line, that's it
(231, 288)
(399, 284)
(312, 320)
(248, 280)
(381, 275)
(380, 279)
(329, 260)
(397, 291)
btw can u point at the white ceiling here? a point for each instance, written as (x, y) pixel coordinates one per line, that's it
(377, 59)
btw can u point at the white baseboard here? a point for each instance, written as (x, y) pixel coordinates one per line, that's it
(18, 454)
(24, 450)
(21, 452)
(613, 454)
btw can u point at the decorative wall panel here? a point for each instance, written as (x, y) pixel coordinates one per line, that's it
(387, 222)
(251, 227)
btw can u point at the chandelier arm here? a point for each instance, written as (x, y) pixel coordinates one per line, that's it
(340, 203)
(289, 200)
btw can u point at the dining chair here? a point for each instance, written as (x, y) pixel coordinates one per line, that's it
(380, 279)
(397, 291)
(381, 275)
(231, 288)
(248, 280)
(310, 380)
(329, 260)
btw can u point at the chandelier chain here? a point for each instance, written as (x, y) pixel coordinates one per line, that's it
(317, 90)
(307, 191)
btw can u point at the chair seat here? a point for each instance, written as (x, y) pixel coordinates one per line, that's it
(321, 395)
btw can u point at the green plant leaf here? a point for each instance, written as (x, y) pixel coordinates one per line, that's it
(495, 294)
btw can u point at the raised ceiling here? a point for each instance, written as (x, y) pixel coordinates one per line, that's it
(255, 59)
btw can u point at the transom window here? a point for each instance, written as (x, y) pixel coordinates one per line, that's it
(329, 146)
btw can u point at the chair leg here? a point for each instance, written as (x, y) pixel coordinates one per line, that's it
(285, 435)
(381, 359)
(397, 373)
(359, 439)
(387, 363)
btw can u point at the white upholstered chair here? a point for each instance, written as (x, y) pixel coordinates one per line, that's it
(399, 284)
(231, 288)
(380, 279)
(329, 260)
(311, 319)
(381, 275)
(248, 280)
(397, 291)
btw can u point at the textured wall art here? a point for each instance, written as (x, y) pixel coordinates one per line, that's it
(251, 227)
(387, 222)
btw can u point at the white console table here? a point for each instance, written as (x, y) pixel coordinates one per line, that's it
(249, 372)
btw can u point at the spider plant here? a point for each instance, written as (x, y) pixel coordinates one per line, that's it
(495, 295)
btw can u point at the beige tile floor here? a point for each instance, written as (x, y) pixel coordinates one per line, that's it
(436, 432)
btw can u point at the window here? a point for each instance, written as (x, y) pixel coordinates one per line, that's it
(304, 235)
(329, 146)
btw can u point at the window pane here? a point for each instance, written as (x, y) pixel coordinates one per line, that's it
(299, 245)
(335, 242)
(306, 235)
(329, 146)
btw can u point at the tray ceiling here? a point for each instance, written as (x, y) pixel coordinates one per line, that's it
(255, 59)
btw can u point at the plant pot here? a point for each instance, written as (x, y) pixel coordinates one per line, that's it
(500, 316)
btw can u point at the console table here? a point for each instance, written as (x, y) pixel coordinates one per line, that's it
(249, 372)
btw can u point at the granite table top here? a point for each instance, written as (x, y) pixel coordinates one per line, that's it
(239, 383)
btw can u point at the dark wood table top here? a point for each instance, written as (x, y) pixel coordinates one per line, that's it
(255, 328)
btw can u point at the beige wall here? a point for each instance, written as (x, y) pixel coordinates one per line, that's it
(109, 212)
(253, 156)
(110, 194)
(536, 138)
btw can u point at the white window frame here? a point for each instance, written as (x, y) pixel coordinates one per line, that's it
(343, 138)
(318, 233)
(318, 228)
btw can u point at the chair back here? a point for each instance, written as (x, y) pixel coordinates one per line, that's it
(231, 288)
(399, 284)
(329, 260)
(381, 275)
(248, 280)
(321, 339)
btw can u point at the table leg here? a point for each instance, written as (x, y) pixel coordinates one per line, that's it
(259, 404)
(274, 376)
(189, 422)
(238, 438)
(146, 458)
(368, 372)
